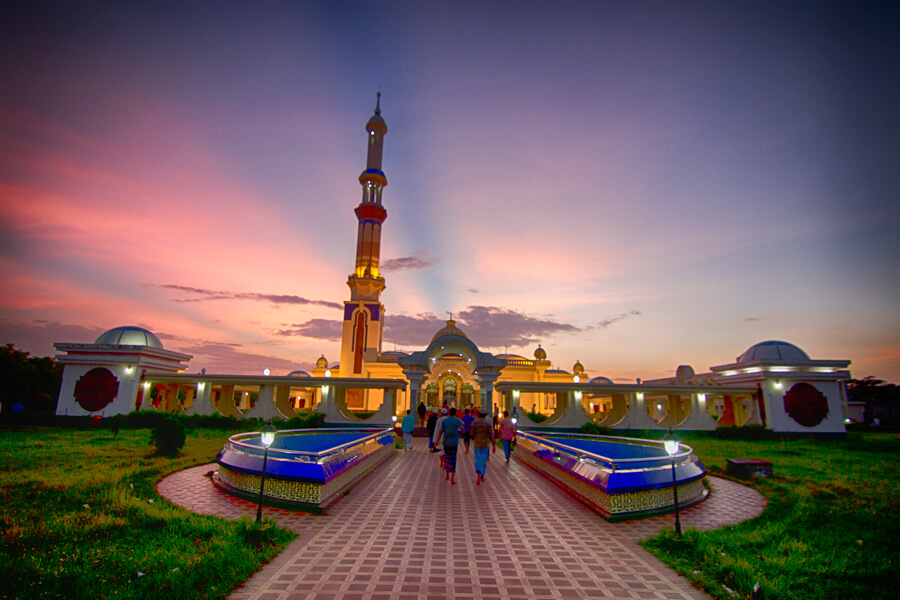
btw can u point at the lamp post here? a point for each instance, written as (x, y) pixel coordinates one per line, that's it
(671, 443)
(266, 436)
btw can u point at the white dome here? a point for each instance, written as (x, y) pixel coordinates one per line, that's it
(129, 336)
(773, 350)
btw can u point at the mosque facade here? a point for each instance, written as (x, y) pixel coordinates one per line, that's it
(774, 384)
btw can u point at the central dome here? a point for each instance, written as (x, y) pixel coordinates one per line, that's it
(773, 350)
(129, 336)
(450, 329)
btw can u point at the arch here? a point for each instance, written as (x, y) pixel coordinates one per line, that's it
(452, 344)
(360, 327)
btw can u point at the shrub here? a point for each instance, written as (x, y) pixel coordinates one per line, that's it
(168, 436)
(311, 421)
(115, 423)
(536, 417)
(594, 429)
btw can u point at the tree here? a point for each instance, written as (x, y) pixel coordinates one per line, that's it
(30, 380)
(882, 400)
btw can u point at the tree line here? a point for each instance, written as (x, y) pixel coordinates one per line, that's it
(28, 379)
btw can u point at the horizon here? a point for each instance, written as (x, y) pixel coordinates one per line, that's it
(631, 187)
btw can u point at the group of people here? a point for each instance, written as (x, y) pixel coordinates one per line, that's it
(475, 428)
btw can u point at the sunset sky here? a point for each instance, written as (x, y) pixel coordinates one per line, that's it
(634, 185)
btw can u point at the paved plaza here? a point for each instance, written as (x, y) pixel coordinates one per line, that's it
(406, 533)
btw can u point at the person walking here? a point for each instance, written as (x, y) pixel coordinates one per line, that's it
(449, 432)
(407, 426)
(467, 421)
(432, 422)
(482, 433)
(421, 412)
(507, 433)
(437, 430)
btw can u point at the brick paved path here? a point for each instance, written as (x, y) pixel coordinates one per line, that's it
(405, 533)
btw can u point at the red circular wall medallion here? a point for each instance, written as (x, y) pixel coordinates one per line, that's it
(806, 405)
(96, 388)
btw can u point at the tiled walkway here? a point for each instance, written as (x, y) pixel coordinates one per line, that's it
(406, 533)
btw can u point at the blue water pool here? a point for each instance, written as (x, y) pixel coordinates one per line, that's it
(304, 469)
(619, 477)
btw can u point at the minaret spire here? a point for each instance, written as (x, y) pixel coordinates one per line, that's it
(364, 314)
(366, 283)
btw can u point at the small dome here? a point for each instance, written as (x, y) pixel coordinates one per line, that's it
(450, 329)
(540, 353)
(601, 381)
(510, 357)
(322, 363)
(773, 350)
(684, 374)
(298, 374)
(129, 336)
(578, 368)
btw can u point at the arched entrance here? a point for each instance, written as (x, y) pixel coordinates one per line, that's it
(448, 391)
(452, 370)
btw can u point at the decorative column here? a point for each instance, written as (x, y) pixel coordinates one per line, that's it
(415, 377)
(202, 401)
(486, 381)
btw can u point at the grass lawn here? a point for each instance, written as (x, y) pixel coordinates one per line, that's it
(831, 529)
(77, 522)
(80, 518)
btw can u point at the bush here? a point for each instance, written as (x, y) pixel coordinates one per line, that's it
(536, 417)
(168, 436)
(594, 429)
(115, 423)
(311, 421)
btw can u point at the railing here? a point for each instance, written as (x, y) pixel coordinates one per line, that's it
(237, 443)
(518, 362)
(613, 464)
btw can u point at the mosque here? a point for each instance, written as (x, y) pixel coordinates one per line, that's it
(773, 383)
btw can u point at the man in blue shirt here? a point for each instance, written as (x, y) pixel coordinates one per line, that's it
(449, 431)
(407, 426)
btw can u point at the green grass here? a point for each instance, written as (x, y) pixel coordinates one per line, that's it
(80, 518)
(831, 528)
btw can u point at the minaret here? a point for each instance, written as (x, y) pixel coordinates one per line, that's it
(363, 313)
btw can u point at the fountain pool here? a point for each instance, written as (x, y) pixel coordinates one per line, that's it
(306, 469)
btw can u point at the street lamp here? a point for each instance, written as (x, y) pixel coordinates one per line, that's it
(670, 441)
(266, 436)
